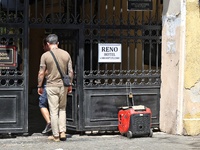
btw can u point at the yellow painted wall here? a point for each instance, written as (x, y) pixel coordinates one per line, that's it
(192, 67)
(191, 116)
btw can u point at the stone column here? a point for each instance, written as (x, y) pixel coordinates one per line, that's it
(172, 69)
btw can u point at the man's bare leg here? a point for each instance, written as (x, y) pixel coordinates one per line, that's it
(45, 114)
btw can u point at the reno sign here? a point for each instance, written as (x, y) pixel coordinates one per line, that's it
(109, 53)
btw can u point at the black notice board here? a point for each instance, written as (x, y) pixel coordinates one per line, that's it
(135, 5)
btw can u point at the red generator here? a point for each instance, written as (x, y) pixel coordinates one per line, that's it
(135, 121)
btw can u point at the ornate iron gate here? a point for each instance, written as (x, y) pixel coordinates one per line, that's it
(13, 71)
(99, 88)
(136, 79)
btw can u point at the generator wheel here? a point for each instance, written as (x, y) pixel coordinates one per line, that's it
(151, 133)
(129, 134)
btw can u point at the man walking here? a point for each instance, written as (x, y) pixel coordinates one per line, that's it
(56, 91)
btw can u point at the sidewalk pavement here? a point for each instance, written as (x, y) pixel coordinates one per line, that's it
(159, 141)
(94, 141)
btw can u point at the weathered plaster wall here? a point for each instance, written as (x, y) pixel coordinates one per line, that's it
(180, 73)
(191, 116)
(172, 68)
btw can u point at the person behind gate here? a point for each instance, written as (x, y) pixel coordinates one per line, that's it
(43, 101)
(56, 91)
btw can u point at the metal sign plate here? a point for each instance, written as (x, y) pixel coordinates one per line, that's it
(109, 53)
(136, 5)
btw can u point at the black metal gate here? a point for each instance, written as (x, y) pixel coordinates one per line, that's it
(13, 71)
(136, 79)
(99, 87)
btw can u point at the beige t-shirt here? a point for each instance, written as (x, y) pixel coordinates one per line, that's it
(64, 60)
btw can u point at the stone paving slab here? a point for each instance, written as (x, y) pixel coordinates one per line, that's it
(159, 141)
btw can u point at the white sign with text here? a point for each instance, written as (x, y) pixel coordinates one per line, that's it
(109, 53)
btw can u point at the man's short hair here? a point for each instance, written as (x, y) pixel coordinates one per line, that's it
(52, 39)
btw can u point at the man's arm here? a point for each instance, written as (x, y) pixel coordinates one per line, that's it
(71, 75)
(70, 70)
(41, 75)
